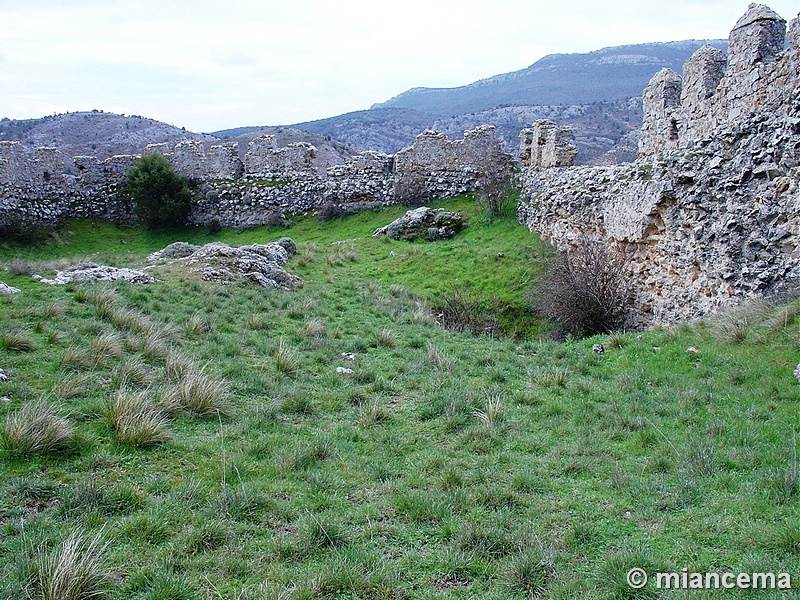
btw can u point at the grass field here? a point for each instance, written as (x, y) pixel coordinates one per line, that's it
(187, 440)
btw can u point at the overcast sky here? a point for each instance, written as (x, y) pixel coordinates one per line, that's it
(210, 65)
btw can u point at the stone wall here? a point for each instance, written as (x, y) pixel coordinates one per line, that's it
(709, 214)
(268, 185)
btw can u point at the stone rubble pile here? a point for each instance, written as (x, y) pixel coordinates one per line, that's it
(95, 272)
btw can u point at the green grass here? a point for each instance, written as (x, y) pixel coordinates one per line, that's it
(444, 466)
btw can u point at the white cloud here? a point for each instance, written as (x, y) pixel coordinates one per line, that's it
(208, 65)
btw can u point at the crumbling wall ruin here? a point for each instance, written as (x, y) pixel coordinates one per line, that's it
(269, 184)
(709, 214)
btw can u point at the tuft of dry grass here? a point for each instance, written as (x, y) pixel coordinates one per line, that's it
(74, 570)
(132, 372)
(439, 358)
(136, 420)
(492, 414)
(36, 427)
(286, 360)
(196, 393)
(17, 342)
(71, 385)
(177, 367)
(76, 359)
(314, 328)
(387, 338)
(107, 346)
(198, 323)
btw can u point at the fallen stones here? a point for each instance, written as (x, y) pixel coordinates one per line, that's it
(7, 289)
(92, 271)
(423, 222)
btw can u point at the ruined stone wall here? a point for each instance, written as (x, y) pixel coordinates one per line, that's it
(546, 145)
(269, 185)
(709, 214)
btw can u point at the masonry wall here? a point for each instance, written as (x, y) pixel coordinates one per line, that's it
(268, 185)
(709, 214)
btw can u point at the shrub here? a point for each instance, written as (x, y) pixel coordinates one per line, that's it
(585, 290)
(160, 196)
(459, 310)
(496, 191)
(36, 428)
(74, 570)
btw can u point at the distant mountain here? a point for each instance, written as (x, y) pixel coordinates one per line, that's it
(609, 74)
(596, 93)
(94, 133)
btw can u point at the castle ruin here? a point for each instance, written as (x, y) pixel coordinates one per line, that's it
(709, 213)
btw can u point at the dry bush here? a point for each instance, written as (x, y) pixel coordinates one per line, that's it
(458, 310)
(586, 290)
(36, 427)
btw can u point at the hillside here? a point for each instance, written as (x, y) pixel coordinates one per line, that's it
(103, 134)
(363, 451)
(615, 73)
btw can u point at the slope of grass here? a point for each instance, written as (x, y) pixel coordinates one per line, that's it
(442, 466)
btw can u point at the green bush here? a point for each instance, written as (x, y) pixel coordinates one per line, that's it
(160, 196)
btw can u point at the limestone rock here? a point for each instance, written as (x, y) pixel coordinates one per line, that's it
(425, 223)
(7, 289)
(92, 271)
(171, 252)
(258, 264)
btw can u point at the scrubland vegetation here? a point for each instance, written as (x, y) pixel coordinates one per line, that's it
(187, 440)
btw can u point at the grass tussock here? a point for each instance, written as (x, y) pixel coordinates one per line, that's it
(198, 394)
(17, 342)
(76, 569)
(37, 428)
(287, 360)
(136, 420)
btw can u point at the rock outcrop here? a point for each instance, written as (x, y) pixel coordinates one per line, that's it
(95, 272)
(423, 223)
(709, 213)
(261, 264)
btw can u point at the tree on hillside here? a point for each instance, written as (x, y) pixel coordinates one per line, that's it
(160, 196)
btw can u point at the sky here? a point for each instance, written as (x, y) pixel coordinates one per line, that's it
(209, 65)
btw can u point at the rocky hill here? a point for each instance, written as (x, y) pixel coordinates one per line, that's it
(94, 133)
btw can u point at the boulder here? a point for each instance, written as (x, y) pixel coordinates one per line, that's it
(258, 263)
(423, 222)
(7, 289)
